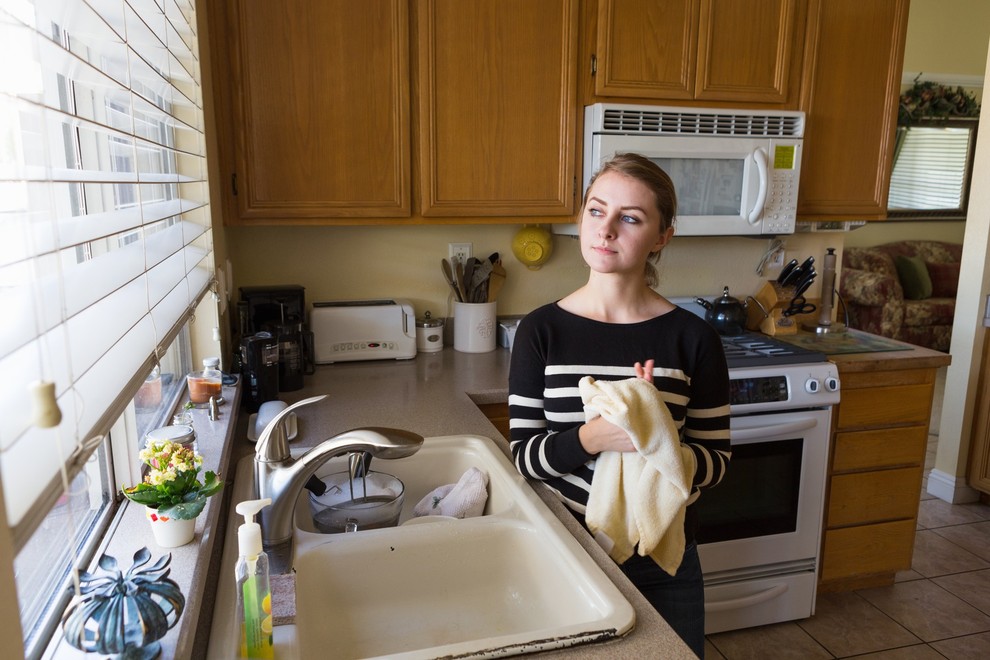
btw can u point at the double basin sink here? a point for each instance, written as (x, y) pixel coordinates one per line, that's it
(511, 581)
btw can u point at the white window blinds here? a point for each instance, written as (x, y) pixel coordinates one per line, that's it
(931, 168)
(105, 242)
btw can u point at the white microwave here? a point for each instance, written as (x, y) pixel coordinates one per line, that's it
(736, 172)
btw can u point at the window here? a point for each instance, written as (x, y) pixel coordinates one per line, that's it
(106, 251)
(84, 510)
(933, 163)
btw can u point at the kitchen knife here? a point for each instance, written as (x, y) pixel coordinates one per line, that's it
(802, 286)
(798, 273)
(791, 265)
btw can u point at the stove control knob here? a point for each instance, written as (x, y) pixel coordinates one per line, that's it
(832, 384)
(812, 386)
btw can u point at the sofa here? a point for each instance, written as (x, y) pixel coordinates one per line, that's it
(904, 290)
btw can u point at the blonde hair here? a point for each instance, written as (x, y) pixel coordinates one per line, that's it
(644, 170)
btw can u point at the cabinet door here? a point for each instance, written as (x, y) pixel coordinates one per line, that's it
(748, 51)
(497, 107)
(320, 100)
(647, 49)
(852, 78)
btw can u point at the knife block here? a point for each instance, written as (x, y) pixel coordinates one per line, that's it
(768, 316)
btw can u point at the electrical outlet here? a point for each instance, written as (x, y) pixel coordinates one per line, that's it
(460, 252)
(777, 259)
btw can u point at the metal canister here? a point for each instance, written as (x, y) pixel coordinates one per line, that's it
(429, 334)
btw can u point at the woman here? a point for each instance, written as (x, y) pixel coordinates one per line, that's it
(617, 327)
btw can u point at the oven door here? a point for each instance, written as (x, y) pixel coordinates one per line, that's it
(766, 514)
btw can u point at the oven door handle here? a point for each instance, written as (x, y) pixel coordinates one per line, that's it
(746, 601)
(772, 430)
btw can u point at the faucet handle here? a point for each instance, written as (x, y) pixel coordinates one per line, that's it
(273, 444)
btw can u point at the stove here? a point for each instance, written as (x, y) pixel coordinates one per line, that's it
(760, 531)
(753, 349)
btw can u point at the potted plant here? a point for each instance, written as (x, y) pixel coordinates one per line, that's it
(171, 491)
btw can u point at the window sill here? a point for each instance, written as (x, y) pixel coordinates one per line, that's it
(194, 566)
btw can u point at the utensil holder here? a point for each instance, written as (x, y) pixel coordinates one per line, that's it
(474, 327)
(768, 317)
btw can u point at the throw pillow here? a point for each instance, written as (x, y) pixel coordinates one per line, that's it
(945, 279)
(913, 274)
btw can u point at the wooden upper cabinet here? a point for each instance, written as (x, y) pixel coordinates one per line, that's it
(704, 50)
(497, 97)
(647, 48)
(319, 95)
(852, 80)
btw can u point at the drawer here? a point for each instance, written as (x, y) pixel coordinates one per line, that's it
(868, 549)
(864, 450)
(885, 406)
(881, 495)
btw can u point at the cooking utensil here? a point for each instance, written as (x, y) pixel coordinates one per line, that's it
(726, 314)
(469, 266)
(448, 276)
(479, 282)
(795, 275)
(496, 281)
(459, 279)
(786, 270)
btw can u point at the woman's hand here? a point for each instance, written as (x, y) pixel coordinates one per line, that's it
(645, 370)
(600, 435)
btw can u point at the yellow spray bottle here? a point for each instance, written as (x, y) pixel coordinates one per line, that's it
(254, 597)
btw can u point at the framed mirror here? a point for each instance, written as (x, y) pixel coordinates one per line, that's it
(933, 165)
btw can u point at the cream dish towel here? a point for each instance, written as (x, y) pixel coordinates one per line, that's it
(638, 497)
(465, 499)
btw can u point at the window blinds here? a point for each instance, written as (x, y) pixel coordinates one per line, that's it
(105, 241)
(931, 169)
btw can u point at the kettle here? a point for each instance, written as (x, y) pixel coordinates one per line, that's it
(726, 314)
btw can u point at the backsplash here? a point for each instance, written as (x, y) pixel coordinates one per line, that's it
(374, 262)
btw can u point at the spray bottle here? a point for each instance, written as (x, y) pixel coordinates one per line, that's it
(254, 596)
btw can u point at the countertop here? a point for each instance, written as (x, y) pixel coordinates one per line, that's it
(903, 355)
(435, 394)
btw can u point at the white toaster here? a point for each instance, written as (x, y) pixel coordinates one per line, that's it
(347, 330)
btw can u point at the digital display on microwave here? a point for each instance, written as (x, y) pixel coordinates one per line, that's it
(706, 186)
(783, 157)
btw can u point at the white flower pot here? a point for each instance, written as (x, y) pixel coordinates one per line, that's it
(170, 532)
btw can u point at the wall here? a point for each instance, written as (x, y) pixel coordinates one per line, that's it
(374, 262)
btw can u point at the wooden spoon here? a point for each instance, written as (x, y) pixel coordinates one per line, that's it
(495, 281)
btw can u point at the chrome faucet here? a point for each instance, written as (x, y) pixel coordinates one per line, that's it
(281, 477)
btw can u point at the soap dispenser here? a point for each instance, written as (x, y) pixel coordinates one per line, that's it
(254, 596)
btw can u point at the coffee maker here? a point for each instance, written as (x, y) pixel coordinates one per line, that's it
(259, 369)
(280, 310)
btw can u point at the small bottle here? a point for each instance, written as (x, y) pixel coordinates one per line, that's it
(254, 595)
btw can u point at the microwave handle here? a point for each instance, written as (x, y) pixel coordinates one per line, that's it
(760, 157)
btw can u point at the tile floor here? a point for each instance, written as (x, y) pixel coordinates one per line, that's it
(939, 609)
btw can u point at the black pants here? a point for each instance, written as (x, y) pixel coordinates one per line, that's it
(680, 599)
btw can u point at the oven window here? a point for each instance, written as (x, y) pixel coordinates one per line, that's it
(758, 496)
(706, 186)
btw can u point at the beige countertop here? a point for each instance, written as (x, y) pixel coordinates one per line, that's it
(435, 394)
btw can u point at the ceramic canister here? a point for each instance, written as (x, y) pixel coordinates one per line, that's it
(429, 334)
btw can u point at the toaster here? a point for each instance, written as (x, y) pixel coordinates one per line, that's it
(348, 330)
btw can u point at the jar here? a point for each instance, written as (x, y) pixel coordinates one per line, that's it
(429, 334)
(204, 384)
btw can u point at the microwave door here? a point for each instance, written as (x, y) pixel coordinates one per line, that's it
(718, 181)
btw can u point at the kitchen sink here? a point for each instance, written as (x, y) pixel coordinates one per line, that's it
(511, 581)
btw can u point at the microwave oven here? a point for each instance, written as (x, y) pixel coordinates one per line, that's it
(736, 172)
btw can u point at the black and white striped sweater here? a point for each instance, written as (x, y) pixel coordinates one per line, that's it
(553, 349)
